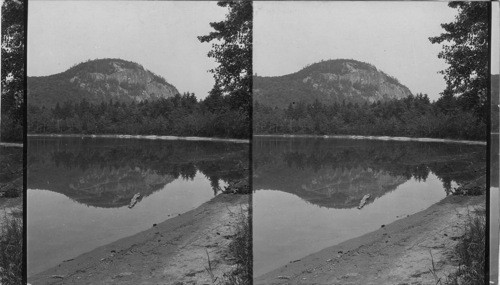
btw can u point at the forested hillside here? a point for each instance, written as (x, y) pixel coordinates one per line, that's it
(99, 81)
(329, 82)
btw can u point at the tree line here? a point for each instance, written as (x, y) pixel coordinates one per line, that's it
(181, 115)
(414, 116)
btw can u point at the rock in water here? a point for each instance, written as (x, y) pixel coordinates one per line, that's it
(134, 200)
(363, 201)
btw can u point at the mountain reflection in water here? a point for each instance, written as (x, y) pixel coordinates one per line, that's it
(79, 189)
(306, 191)
(107, 173)
(337, 173)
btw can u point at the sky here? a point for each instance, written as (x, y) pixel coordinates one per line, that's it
(393, 36)
(161, 36)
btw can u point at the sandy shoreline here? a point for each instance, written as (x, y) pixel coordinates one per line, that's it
(172, 251)
(399, 253)
(382, 138)
(152, 137)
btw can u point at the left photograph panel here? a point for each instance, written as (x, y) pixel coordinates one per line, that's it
(12, 111)
(138, 144)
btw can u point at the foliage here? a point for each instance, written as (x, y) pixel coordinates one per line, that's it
(414, 116)
(232, 50)
(238, 187)
(181, 115)
(469, 191)
(465, 49)
(11, 251)
(12, 80)
(11, 127)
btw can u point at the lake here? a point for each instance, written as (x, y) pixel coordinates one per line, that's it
(306, 190)
(494, 209)
(79, 189)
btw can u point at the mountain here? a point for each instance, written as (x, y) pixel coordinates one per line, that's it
(329, 82)
(97, 81)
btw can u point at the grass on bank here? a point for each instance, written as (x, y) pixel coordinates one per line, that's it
(471, 247)
(11, 250)
(470, 251)
(240, 249)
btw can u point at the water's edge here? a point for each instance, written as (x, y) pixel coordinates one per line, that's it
(366, 240)
(383, 138)
(151, 137)
(182, 225)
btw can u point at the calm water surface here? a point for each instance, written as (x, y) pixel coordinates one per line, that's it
(494, 209)
(79, 189)
(306, 191)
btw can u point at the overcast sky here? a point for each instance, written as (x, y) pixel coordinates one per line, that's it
(161, 36)
(393, 36)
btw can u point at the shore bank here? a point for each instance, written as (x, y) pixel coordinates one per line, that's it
(382, 138)
(6, 144)
(152, 137)
(188, 249)
(417, 249)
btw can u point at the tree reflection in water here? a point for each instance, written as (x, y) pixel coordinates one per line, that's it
(109, 172)
(337, 173)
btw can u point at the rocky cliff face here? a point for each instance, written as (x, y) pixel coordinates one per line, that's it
(97, 81)
(329, 82)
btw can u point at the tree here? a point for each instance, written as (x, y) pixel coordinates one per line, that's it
(465, 49)
(12, 81)
(232, 50)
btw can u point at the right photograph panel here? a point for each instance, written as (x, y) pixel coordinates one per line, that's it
(370, 125)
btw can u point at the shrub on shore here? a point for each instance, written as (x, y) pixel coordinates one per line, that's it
(469, 191)
(474, 188)
(240, 186)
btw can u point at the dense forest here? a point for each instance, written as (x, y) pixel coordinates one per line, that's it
(181, 115)
(414, 116)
